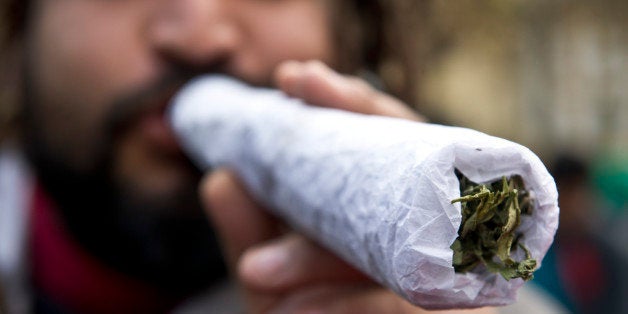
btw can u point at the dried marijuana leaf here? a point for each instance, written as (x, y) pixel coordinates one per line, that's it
(490, 215)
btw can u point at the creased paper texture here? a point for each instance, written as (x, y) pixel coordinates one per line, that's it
(376, 191)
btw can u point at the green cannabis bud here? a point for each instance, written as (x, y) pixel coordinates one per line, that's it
(490, 215)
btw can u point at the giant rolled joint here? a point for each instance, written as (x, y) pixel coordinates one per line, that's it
(382, 193)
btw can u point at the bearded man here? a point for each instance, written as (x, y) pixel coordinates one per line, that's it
(100, 208)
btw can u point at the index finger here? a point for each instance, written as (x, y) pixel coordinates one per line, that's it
(319, 85)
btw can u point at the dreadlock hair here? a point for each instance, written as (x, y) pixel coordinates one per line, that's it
(13, 19)
(385, 37)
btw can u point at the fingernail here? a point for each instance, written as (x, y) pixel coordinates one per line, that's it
(265, 266)
(291, 68)
(320, 69)
(289, 75)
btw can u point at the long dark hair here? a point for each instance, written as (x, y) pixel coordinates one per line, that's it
(13, 19)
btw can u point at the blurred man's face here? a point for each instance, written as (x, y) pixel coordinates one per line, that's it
(98, 76)
(101, 68)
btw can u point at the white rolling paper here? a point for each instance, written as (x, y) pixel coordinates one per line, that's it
(376, 191)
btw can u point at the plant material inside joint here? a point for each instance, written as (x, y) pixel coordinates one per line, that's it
(490, 216)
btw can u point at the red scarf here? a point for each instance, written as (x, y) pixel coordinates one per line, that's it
(66, 275)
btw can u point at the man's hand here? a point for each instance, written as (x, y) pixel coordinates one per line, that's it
(318, 85)
(281, 271)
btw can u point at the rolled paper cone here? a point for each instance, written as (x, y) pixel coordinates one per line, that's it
(376, 191)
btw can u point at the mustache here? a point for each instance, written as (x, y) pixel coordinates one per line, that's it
(127, 108)
(153, 95)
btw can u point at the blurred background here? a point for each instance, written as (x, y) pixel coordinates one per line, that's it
(552, 75)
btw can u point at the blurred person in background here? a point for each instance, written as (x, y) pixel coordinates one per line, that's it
(582, 269)
(610, 177)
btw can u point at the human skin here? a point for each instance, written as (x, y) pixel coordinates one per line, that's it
(84, 56)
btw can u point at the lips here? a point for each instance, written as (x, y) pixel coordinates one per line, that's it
(145, 120)
(156, 130)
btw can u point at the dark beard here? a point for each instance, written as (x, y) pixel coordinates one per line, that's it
(173, 249)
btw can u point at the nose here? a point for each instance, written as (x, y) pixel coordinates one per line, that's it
(197, 32)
